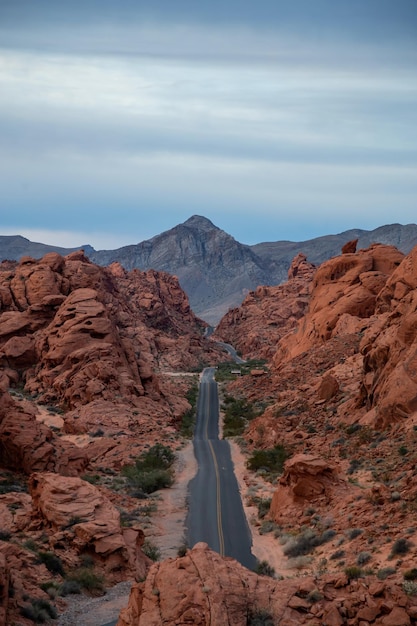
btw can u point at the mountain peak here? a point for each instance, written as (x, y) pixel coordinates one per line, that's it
(200, 222)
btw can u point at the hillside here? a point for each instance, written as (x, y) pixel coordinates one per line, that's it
(214, 269)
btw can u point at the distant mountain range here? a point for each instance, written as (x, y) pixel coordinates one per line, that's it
(214, 269)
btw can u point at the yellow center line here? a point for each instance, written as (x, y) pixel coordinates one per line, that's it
(216, 470)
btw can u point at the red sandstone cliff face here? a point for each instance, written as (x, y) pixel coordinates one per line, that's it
(268, 313)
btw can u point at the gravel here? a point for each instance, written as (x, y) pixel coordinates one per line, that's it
(99, 611)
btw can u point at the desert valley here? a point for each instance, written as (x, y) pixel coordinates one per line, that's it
(99, 381)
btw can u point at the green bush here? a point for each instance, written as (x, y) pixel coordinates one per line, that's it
(87, 579)
(363, 558)
(189, 417)
(353, 572)
(306, 542)
(52, 562)
(5, 535)
(151, 471)
(264, 505)
(271, 460)
(384, 572)
(400, 546)
(39, 611)
(69, 587)
(147, 482)
(410, 574)
(260, 618)
(151, 550)
(263, 568)
(237, 413)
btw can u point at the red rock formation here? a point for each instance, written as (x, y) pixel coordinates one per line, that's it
(268, 313)
(350, 247)
(345, 285)
(306, 477)
(389, 382)
(79, 514)
(202, 588)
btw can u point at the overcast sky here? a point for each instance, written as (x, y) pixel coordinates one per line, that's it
(275, 119)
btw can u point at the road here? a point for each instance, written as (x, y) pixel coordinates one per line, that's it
(216, 514)
(230, 349)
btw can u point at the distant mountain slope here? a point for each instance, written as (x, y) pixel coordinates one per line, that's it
(13, 247)
(214, 269)
(322, 248)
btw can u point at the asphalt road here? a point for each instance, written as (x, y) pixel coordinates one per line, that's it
(230, 349)
(216, 513)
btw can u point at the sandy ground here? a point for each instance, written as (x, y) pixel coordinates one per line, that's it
(168, 529)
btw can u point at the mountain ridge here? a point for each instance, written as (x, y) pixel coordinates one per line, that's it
(214, 269)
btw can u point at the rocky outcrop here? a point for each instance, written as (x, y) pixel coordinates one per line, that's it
(306, 478)
(268, 313)
(79, 514)
(347, 285)
(27, 445)
(389, 382)
(203, 588)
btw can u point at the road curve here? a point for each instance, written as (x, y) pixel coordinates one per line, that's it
(230, 349)
(216, 513)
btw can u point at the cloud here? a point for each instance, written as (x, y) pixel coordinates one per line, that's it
(302, 115)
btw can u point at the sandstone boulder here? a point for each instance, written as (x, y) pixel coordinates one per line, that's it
(75, 506)
(306, 478)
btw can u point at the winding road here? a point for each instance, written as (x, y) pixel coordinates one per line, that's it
(216, 514)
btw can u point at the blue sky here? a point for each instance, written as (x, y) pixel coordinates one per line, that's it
(276, 120)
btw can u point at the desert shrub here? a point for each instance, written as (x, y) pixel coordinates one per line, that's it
(264, 505)
(237, 413)
(157, 457)
(188, 418)
(87, 579)
(5, 535)
(362, 558)
(271, 460)
(39, 611)
(314, 596)
(267, 526)
(411, 574)
(182, 550)
(339, 554)
(410, 587)
(93, 479)
(306, 542)
(69, 587)
(52, 562)
(400, 546)
(263, 568)
(86, 560)
(151, 471)
(353, 572)
(143, 483)
(352, 533)
(260, 618)
(384, 572)
(151, 550)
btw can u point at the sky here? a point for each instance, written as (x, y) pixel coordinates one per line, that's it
(275, 119)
